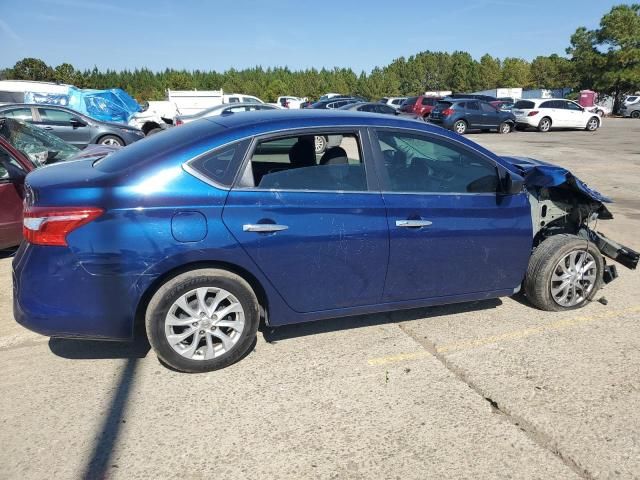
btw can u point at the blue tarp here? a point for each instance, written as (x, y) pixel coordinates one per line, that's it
(113, 105)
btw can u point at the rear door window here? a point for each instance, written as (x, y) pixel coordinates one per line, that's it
(23, 114)
(291, 163)
(473, 105)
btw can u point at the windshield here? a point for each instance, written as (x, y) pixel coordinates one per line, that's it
(410, 101)
(631, 99)
(36, 144)
(525, 104)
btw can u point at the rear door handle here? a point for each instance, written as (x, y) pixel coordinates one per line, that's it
(48, 128)
(413, 223)
(263, 227)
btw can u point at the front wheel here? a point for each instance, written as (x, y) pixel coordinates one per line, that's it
(635, 114)
(593, 124)
(505, 127)
(564, 273)
(112, 141)
(202, 320)
(460, 127)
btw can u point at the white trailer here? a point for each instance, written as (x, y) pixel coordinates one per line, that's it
(189, 102)
(514, 93)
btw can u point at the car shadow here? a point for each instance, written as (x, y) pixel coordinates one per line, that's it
(78, 349)
(273, 335)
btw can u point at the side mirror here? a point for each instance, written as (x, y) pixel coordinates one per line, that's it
(76, 122)
(512, 184)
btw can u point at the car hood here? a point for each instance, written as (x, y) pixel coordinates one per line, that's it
(537, 173)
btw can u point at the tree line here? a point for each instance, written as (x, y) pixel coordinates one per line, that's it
(606, 59)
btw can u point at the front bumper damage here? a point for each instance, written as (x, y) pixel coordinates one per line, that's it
(562, 203)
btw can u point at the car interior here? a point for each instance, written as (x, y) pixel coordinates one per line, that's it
(292, 163)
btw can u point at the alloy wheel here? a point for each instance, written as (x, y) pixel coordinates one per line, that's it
(592, 125)
(460, 127)
(204, 323)
(320, 144)
(573, 278)
(112, 142)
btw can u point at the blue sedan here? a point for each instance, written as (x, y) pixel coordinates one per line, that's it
(202, 232)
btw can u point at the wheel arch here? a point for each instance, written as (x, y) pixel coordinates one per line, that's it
(153, 287)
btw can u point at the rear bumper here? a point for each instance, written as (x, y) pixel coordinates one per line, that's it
(55, 296)
(528, 121)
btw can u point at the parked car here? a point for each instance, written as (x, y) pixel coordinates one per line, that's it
(290, 102)
(420, 106)
(503, 104)
(395, 102)
(335, 102)
(23, 148)
(461, 115)
(203, 231)
(71, 126)
(225, 109)
(546, 114)
(372, 107)
(630, 110)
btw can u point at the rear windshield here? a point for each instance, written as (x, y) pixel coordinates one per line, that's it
(524, 104)
(173, 141)
(443, 105)
(410, 101)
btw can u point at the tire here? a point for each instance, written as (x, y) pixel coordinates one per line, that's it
(592, 124)
(505, 127)
(635, 114)
(207, 338)
(111, 140)
(541, 284)
(153, 131)
(320, 144)
(545, 125)
(460, 127)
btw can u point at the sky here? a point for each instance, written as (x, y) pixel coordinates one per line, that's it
(223, 34)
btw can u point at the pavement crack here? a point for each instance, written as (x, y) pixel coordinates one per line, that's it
(538, 436)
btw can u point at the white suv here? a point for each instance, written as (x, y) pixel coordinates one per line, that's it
(394, 102)
(547, 113)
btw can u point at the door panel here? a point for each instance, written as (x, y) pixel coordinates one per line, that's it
(450, 232)
(332, 254)
(313, 224)
(58, 122)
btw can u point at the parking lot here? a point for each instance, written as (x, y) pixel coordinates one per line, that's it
(492, 389)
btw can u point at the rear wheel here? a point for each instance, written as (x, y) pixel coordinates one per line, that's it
(505, 127)
(564, 273)
(112, 141)
(202, 320)
(593, 124)
(635, 114)
(460, 127)
(544, 125)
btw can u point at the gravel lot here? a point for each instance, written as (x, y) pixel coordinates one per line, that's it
(490, 389)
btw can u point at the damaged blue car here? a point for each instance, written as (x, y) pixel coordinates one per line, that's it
(201, 233)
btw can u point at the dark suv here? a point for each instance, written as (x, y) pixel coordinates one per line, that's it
(420, 106)
(463, 114)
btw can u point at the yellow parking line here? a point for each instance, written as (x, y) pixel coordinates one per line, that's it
(514, 335)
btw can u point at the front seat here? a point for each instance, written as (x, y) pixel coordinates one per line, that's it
(334, 156)
(302, 154)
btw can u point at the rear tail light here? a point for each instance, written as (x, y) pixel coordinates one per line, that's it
(447, 111)
(51, 225)
(179, 122)
(532, 113)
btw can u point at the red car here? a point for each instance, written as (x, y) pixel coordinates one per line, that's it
(420, 106)
(14, 166)
(23, 148)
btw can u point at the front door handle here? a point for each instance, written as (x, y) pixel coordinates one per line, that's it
(413, 223)
(263, 227)
(48, 128)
